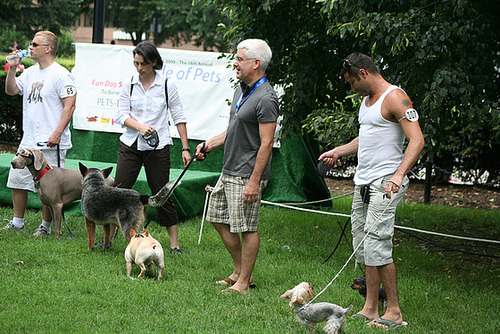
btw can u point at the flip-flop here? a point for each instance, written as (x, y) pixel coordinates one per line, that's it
(390, 324)
(230, 291)
(360, 316)
(228, 282)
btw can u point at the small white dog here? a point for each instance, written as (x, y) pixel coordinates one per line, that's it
(310, 315)
(144, 250)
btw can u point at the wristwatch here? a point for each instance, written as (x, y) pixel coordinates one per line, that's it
(186, 149)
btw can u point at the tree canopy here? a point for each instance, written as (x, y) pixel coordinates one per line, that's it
(29, 16)
(178, 21)
(445, 54)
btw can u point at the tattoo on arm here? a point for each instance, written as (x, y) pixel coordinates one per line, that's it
(406, 102)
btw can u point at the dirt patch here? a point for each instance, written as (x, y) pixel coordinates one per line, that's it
(464, 196)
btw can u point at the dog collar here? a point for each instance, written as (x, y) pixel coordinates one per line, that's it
(42, 173)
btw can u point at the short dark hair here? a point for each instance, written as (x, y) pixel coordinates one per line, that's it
(356, 61)
(149, 52)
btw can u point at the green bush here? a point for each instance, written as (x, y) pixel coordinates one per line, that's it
(11, 106)
(8, 37)
(66, 48)
(10, 114)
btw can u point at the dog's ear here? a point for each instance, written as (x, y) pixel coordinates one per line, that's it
(83, 169)
(107, 171)
(37, 159)
(287, 294)
(132, 233)
(147, 232)
(296, 300)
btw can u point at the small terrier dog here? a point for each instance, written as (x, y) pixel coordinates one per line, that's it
(310, 315)
(144, 250)
(359, 283)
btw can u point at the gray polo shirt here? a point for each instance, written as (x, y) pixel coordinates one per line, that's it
(242, 138)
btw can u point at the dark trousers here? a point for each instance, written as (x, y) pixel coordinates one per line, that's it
(157, 166)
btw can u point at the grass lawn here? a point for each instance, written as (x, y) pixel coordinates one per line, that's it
(56, 286)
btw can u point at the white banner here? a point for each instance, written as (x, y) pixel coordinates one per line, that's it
(202, 78)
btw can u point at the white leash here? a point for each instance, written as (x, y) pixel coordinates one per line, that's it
(352, 255)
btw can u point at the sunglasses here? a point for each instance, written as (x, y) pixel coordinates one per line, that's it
(346, 64)
(33, 44)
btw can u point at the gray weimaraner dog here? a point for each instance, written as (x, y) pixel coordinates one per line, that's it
(56, 186)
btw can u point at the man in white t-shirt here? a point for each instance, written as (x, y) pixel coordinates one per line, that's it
(49, 96)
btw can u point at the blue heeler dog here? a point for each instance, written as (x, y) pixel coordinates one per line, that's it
(113, 207)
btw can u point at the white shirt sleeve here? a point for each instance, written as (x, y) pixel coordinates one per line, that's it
(175, 105)
(124, 103)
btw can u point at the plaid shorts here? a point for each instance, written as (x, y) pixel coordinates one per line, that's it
(376, 250)
(227, 207)
(23, 180)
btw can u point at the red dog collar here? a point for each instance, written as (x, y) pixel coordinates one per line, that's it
(42, 173)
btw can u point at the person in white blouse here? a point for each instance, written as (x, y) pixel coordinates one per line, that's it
(145, 102)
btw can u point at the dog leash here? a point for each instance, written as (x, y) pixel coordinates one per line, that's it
(180, 176)
(58, 165)
(352, 255)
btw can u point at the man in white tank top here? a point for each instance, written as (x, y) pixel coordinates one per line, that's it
(386, 118)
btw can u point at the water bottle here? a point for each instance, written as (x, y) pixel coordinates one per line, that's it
(20, 54)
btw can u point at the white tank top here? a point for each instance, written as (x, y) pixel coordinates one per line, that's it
(380, 149)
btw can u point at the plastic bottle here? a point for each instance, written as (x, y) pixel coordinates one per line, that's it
(20, 54)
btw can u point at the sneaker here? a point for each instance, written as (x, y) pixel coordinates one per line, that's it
(10, 226)
(175, 251)
(40, 231)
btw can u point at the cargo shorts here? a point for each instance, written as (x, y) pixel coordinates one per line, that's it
(376, 250)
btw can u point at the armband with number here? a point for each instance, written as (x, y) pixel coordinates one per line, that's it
(410, 114)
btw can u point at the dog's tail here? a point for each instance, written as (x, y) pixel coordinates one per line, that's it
(163, 195)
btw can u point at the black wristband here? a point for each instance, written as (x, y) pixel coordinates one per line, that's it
(186, 149)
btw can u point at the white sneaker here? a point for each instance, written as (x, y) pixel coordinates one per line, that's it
(41, 230)
(10, 226)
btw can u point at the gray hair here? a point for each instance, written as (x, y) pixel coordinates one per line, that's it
(257, 48)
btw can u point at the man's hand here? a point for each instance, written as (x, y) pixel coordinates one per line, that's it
(201, 151)
(251, 192)
(329, 158)
(54, 140)
(393, 186)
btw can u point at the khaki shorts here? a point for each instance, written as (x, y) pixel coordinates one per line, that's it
(376, 250)
(227, 207)
(22, 178)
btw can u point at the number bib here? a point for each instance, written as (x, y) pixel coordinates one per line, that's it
(411, 115)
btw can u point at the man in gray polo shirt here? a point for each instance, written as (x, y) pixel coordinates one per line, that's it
(248, 142)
